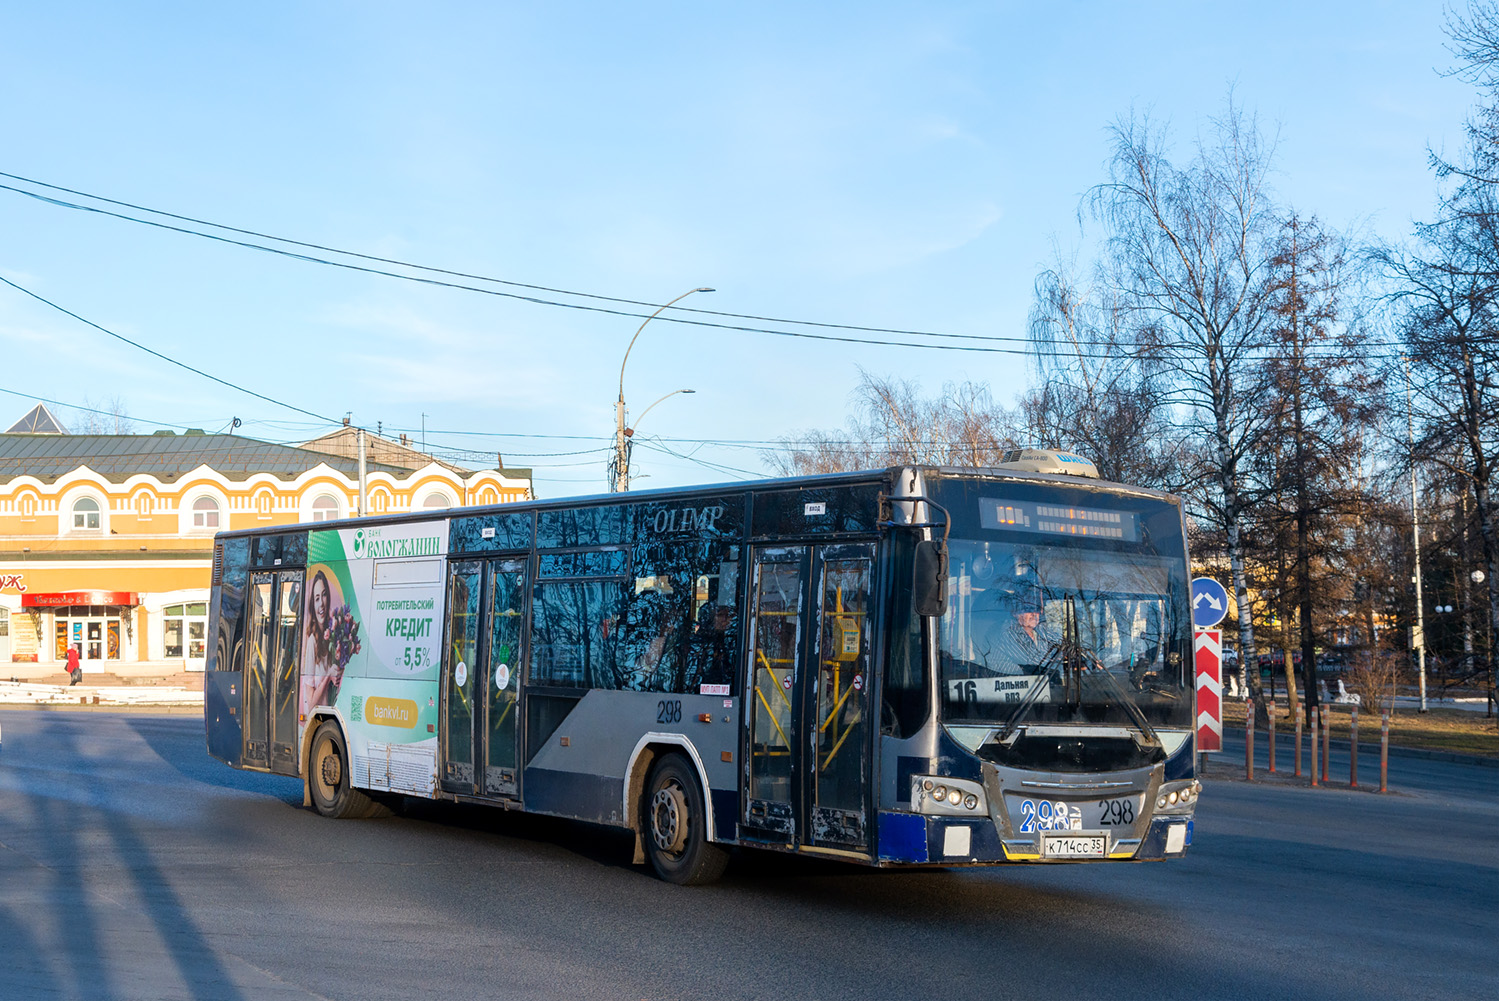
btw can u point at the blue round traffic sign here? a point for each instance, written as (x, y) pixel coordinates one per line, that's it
(1209, 602)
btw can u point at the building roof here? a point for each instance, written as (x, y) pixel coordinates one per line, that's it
(345, 442)
(164, 455)
(38, 421)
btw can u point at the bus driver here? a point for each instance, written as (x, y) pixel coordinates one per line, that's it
(1027, 644)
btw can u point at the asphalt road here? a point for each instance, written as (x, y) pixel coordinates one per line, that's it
(134, 866)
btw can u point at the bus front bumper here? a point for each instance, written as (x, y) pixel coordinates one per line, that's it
(920, 839)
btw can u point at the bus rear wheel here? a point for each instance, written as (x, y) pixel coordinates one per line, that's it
(328, 777)
(674, 823)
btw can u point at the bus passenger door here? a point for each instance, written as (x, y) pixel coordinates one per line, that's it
(777, 598)
(270, 720)
(460, 664)
(838, 772)
(505, 608)
(808, 766)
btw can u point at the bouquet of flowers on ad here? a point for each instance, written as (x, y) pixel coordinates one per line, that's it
(342, 637)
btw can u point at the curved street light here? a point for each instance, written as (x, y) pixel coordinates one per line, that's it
(630, 434)
(621, 480)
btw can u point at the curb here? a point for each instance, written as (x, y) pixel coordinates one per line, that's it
(139, 708)
(1422, 753)
(1396, 751)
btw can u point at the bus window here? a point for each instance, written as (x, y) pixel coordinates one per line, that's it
(588, 526)
(228, 648)
(905, 705)
(715, 633)
(574, 631)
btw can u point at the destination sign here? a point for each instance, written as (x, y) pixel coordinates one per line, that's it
(1058, 519)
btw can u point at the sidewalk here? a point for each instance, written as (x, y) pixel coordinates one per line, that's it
(135, 683)
(109, 674)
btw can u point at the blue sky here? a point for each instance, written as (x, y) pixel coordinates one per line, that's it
(894, 165)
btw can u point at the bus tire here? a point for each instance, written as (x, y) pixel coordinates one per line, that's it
(328, 777)
(674, 825)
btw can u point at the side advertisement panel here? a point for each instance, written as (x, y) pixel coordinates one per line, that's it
(373, 622)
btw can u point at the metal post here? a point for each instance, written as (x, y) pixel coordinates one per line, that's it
(1316, 733)
(1272, 733)
(1353, 750)
(1249, 743)
(1326, 742)
(1384, 753)
(1298, 745)
(1418, 637)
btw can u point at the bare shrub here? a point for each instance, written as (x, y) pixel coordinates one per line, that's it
(1373, 677)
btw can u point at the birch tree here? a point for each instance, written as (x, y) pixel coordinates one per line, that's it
(1187, 254)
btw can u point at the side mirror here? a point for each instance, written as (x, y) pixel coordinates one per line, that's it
(930, 584)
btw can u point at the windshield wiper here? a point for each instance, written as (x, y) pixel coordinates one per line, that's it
(1136, 716)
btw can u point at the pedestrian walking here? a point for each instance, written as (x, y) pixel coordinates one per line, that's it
(75, 668)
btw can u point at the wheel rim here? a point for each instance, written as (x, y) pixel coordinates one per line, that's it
(329, 769)
(669, 819)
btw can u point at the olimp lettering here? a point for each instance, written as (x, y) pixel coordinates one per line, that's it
(686, 519)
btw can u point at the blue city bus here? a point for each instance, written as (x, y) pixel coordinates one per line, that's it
(912, 666)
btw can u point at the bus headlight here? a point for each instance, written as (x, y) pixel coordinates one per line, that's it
(1178, 797)
(947, 797)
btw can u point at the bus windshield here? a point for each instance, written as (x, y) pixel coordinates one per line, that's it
(1083, 630)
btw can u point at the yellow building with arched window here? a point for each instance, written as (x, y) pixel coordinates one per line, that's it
(106, 540)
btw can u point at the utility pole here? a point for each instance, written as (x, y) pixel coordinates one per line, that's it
(1418, 635)
(363, 480)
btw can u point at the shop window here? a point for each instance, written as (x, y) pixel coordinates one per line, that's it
(185, 630)
(325, 508)
(86, 514)
(95, 630)
(206, 513)
(437, 500)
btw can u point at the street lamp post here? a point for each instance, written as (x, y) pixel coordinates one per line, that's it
(630, 433)
(621, 478)
(1418, 634)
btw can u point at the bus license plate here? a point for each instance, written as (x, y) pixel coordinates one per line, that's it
(1074, 845)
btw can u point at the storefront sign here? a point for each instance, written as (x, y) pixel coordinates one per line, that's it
(16, 581)
(63, 599)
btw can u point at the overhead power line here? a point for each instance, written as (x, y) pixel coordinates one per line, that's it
(167, 358)
(1029, 350)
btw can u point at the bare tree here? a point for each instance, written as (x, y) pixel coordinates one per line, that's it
(1321, 398)
(1188, 256)
(1097, 395)
(1447, 294)
(107, 417)
(1474, 41)
(894, 425)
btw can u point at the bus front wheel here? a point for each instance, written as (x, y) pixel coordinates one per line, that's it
(328, 777)
(675, 825)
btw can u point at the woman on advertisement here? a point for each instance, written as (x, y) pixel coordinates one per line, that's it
(321, 674)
